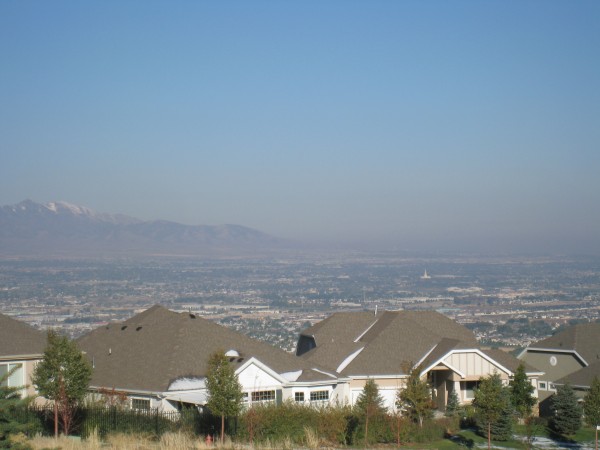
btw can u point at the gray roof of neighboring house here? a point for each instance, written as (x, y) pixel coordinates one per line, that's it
(582, 377)
(20, 339)
(154, 348)
(582, 338)
(389, 341)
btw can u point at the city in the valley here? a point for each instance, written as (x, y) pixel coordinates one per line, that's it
(508, 302)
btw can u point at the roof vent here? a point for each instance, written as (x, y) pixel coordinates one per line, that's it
(138, 328)
(123, 327)
(192, 316)
(232, 353)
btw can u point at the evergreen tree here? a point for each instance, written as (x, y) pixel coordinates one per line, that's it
(63, 376)
(370, 410)
(415, 397)
(502, 429)
(224, 390)
(453, 406)
(493, 408)
(10, 400)
(567, 412)
(591, 404)
(521, 393)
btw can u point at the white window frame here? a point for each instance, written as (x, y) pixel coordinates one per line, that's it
(466, 391)
(10, 366)
(141, 399)
(263, 396)
(320, 393)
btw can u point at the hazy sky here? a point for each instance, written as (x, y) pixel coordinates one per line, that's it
(428, 125)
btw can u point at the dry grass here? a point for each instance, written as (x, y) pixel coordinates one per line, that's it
(311, 438)
(168, 441)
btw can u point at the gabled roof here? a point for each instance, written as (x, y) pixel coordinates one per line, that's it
(20, 339)
(583, 377)
(156, 347)
(390, 340)
(582, 339)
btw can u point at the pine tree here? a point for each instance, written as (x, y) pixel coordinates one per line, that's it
(493, 408)
(10, 400)
(567, 412)
(63, 376)
(502, 429)
(224, 390)
(453, 407)
(415, 397)
(591, 404)
(369, 409)
(521, 393)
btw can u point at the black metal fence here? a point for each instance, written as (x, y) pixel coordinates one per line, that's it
(105, 421)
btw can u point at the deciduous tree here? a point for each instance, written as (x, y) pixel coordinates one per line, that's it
(415, 397)
(63, 376)
(224, 390)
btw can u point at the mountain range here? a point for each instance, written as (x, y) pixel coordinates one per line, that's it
(63, 229)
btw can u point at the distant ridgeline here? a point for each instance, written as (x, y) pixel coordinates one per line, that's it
(63, 229)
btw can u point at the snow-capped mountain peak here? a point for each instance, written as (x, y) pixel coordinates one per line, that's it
(63, 206)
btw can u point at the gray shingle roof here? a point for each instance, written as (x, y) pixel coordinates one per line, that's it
(582, 377)
(390, 340)
(582, 338)
(152, 349)
(20, 339)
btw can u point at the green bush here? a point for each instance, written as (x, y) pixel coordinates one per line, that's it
(276, 423)
(332, 424)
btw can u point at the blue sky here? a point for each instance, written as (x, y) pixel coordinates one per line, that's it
(423, 125)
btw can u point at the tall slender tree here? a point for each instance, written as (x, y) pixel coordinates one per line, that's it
(224, 390)
(521, 393)
(369, 408)
(591, 403)
(63, 376)
(591, 406)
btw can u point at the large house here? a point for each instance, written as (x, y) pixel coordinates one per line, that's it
(571, 356)
(158, 358)
(386, 346)
(21, 346)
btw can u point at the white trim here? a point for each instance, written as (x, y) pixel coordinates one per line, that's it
(348, 360)
(325, 373)
(469, 350)
(426, 355)
(377, 377)
(20, 357)
(365, 332)
(449, 366)
(555, 350)
(263, 367)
